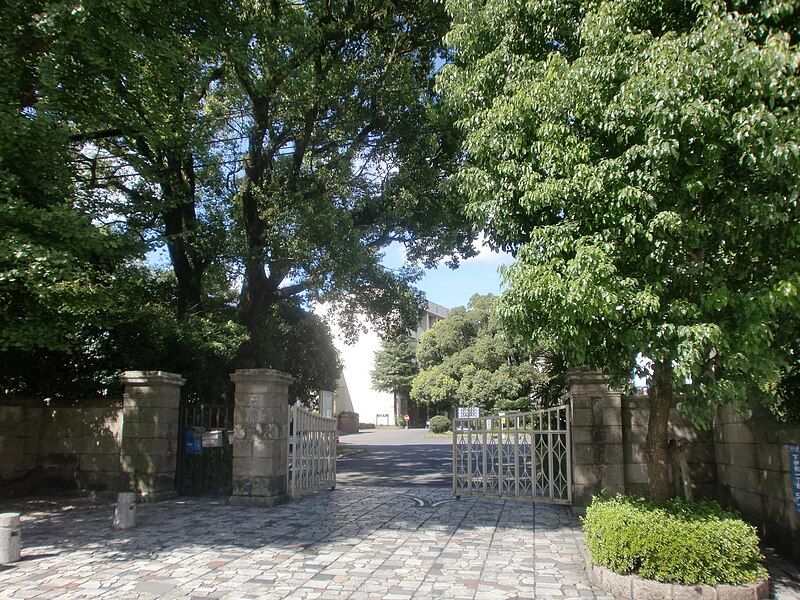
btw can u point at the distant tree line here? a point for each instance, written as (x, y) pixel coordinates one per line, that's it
(468, 359)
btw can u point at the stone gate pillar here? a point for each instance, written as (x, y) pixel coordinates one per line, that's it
(597, 451)
(260, 422)
(150, 432)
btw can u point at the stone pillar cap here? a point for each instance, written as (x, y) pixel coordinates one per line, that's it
(151, 377)
(261, 375)
(583, 374)
(9, 520)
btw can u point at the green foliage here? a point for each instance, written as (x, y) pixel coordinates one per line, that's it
(56, 265)
(467, 359)
(274, 150)
(641, 159)
(395, 365)
(142, 333)
(300, 344)
(683, 542)
(440, 424)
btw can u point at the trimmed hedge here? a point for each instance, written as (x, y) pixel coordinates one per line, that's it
(679, 542)
(440, 424)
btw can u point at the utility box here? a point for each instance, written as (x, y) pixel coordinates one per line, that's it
(212, 439)
(10, 538)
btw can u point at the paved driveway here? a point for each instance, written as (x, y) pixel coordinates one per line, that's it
(397, 457)
(355, 542)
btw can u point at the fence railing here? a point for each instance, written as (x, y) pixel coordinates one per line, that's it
(312, 452)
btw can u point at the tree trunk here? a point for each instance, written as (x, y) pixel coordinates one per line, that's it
(180, 226)
(659, 464)
(188, 277)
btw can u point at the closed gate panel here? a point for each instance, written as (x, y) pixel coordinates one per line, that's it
(516, 455)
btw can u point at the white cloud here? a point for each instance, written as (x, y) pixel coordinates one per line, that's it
(487, 255)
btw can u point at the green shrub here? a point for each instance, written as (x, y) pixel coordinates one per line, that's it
(366, 425)
(440, 424)
(680, 542)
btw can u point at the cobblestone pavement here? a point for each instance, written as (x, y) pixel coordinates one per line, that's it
(354, 542)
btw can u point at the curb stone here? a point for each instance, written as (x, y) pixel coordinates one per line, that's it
(633, 587)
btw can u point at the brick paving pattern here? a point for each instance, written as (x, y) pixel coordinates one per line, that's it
(354, 542)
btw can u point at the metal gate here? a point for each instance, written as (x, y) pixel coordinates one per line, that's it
(515, 455)
(205, 468)
(312, 451)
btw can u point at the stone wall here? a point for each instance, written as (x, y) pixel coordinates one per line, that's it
(752, 461)
(697, 445)
(597, 439)
(59, 446)
(110, 445)
(743, 463)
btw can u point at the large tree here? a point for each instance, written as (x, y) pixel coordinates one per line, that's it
(134, 85)
(345, 151)
(395, 369)
(56, 264)
(466, 359)
(282, 144)
(642, 160)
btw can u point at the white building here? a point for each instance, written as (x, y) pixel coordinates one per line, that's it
(355, 392)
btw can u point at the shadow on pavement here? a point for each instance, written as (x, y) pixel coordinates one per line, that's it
(419, 464)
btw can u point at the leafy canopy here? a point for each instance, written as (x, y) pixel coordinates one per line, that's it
(395, 365)
(272, 150)
(641, 159)
(467, 360)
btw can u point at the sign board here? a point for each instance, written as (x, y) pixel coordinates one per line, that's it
(468, 412)
(794, 473)
(382, 417)
(326, 403)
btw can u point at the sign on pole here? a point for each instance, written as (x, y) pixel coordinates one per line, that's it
(326, 403)
(468, 412)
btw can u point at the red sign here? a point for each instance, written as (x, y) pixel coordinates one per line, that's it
(406, 418)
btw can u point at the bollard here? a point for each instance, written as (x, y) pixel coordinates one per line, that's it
(10, 538)
(125, 513)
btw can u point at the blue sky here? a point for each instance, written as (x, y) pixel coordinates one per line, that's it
(454, 287)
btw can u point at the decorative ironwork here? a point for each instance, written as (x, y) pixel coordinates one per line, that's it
(312, 451)
(516, 455)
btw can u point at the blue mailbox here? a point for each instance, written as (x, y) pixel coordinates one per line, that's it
(193, 440)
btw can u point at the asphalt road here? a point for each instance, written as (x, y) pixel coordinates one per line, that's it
(393, 457)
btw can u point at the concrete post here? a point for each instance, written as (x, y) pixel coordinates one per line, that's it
(10, 538)
(125, 512)
(150, 432)
(597, 451)
(260, 422)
